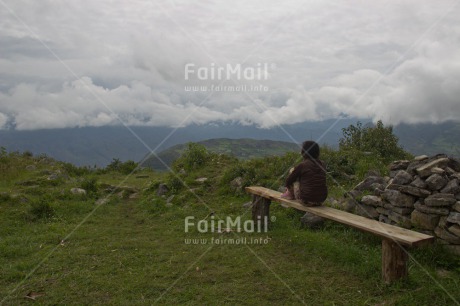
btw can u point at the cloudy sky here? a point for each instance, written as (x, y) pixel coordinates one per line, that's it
(94, 63)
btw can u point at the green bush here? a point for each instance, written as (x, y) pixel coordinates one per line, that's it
(41, 209)
(73, 170)
(362, 149)
(175, 184)
(233, 172)
(126, 167)
(3, 152)
(90, 185)
(195, 156)
(338, 164)
(27, 153)
(377, 139)
(4, 197)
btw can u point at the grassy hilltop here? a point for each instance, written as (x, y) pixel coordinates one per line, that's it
(241, 148)
(120, 242)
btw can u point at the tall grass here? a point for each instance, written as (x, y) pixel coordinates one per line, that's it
(133, 251)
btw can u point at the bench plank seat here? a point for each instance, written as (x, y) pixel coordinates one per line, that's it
(395, 240)
(401, 235)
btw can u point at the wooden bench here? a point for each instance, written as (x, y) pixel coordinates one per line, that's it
(395, 240)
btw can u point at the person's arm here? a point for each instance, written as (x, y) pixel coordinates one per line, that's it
(294, 175)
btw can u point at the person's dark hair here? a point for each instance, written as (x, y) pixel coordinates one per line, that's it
(310, 150)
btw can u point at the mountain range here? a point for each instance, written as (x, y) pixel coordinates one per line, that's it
(100, 145)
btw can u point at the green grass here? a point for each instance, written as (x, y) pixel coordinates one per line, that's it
(129, 253)
(133, 251)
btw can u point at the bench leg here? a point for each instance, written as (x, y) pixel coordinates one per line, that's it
(261, 212)
(394, 261)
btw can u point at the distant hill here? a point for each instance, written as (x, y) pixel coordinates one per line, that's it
(240, 148)
(99, 145)
(430, 139)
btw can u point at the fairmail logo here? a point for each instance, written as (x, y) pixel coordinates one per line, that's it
(227, 72)
(212, 225)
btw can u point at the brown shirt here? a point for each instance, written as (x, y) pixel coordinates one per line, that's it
(311, 175)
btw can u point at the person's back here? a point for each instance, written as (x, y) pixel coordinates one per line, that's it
(312, 181)
(310, 175)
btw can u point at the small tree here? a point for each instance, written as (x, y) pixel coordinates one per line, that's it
(376, 139)
(123, 167)
(193, 157)
(352, 137)
(114, 165)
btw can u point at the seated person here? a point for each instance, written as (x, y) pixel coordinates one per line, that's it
(307, 181)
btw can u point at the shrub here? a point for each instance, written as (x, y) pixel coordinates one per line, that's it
(362, 149)
(337, 162)
(41, 209)
(194, 156)
(4, 197)
(3, 152)
(27, 153)
(175, 184)
(377, 139)
(126, 167)
(114, 165)
(90, 185)
(73, 170)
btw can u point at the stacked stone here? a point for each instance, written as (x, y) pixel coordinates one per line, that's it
(423, 194)
(370, 206)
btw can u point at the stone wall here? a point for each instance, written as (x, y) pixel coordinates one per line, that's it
(422, 194)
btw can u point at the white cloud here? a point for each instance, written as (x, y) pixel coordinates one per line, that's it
(397, 61)
(3, 121)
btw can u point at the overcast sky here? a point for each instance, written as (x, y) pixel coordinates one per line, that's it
(95, 63)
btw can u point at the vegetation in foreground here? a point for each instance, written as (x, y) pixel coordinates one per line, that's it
(122, 243)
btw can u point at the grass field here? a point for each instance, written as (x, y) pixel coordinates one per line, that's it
(61, 248)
